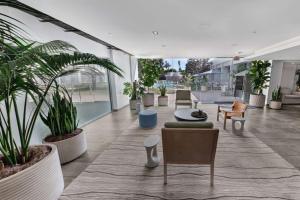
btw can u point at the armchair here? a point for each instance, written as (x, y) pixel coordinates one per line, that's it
(237, 109)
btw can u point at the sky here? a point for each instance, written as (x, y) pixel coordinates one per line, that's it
(174, 62)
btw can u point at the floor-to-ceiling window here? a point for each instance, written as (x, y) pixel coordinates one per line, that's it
(90, 93)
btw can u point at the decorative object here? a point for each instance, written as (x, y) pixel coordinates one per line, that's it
(134, 91)
(163, 98)
(150, 70)
(150, 145)
(147, 118)
(237, 109)
(276, 102)
(185, 114)
(41, 181)
(199, 114)
(241, 121)
(259, 76)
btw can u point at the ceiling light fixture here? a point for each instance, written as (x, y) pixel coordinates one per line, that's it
(155, 32)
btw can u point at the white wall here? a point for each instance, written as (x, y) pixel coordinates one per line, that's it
(122, 60)
(276, 73)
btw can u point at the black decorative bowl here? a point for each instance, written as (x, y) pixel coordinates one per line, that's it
(199, 114)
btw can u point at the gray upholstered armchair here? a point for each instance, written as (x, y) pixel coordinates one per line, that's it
(189, 143)
(183, 97)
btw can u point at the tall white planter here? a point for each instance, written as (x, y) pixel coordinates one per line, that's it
(41, 181)
(257, 100)
(148, 99)
(275, 105)
(70, 148)
(132, 104)
(203, 88)
(163, 100)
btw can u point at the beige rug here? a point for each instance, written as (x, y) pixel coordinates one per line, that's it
(246, 168)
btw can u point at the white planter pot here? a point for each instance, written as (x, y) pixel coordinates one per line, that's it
(132, 104)
(148, 99)
(163, 100)
(41, 181)
(203, 88)
(275, 105)
(257, 100)
(70, 148)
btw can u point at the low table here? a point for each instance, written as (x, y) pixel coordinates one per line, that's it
(184, 114)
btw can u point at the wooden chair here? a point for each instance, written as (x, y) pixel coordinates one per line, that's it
(189, 146)
(183, 97)
(237, 109)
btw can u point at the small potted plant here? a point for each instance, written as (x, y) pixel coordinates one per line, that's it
(204, 82)
(259, 77)
(163, 98)
(62, 121)
(134, 91)
(276, 103)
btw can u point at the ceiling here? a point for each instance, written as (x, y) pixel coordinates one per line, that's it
(186, 28)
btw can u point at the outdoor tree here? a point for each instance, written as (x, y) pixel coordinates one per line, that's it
(195, 66)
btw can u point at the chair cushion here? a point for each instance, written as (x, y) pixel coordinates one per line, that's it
(185, 102)
(189, 125)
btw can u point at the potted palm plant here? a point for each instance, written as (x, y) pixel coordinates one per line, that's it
(62, 121)
(134, 92)
(27, 71)
(150, 72)
(163, 98)
(259, 77)
(276, 103)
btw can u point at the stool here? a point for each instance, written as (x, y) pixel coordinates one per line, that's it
(241, 121)
(150, 145)
(148, 118)
(196, 103)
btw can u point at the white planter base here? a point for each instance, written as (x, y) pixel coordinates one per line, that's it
(203, 88)
(163, 100)
(132, 104)
(257, 100)
(71, 148)
(275, 105)
(148, 99)
(41, 181)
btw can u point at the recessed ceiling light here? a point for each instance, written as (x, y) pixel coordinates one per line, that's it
(254, 32)
(155, 32)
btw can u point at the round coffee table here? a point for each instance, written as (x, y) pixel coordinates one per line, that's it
(184, 114)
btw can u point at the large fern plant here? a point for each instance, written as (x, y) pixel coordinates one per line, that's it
(28, 70)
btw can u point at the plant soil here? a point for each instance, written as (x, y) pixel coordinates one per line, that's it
(36, 153)
(54, 138)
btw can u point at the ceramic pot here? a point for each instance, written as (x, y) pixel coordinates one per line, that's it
(41, 181)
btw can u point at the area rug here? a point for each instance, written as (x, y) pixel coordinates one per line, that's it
(245, 168)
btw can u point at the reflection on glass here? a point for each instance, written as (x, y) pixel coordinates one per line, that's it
(90, 92)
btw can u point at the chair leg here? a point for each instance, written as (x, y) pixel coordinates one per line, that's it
(165, 173)
(224, 127)
(212, 174)
(218, 113)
